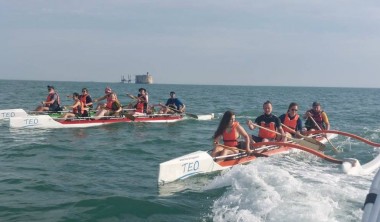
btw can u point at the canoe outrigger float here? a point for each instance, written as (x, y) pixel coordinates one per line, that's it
(51, 121)
(200, 162)
(9, 113)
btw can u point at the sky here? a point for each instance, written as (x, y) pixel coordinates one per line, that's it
(210, 42)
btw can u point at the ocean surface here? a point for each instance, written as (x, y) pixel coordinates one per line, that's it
(109, 173)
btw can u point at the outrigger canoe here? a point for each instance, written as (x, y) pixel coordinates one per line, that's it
(46, 121)
(201, 162)
(19, 118)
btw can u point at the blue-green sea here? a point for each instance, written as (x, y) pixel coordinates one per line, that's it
(109, 173)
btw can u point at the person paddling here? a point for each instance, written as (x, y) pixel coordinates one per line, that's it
(316, 118)
(86, 100)
(112, 108)
(270, 122)
(172, 105)
(229, 130)
(52, 102)
(77, 108)
(107, 96)
(291, 121)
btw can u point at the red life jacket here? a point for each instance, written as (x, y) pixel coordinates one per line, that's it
(140, 107)
(142, 104)
(318, 119)
(230, 138)
(109, 98)
(291, 123)
(109, 104)
(265, 133)
(50, 97)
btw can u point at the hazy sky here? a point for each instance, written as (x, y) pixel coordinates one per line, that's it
(280, 43)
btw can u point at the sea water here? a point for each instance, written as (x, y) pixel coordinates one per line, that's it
(109, 173)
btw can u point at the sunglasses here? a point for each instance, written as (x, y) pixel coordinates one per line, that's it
(294, 110)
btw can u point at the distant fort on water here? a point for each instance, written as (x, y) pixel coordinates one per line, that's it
(139, 79)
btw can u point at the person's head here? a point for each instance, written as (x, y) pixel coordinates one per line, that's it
(85, 91)
(50, 88)
(112, 95)
(227, 120)
(293, 109)
(172, 94)
(316, 106)
(267, 107)
(75, 95)
(107, 90)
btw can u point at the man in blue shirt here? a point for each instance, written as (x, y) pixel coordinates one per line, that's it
(173, 105)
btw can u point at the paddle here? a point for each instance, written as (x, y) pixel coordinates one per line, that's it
(328, 140)
(252, 153)
(177, 111)
(132, 96)
(299, 141)
(309, 139)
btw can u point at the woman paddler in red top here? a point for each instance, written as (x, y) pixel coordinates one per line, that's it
(111, 108)
(77, 108)
(229, 130)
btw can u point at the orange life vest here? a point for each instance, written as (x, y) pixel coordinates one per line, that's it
(291, 123)
(265, 133)
(83, 99)
(230, 138)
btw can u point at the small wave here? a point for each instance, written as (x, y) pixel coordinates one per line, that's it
(279, 189)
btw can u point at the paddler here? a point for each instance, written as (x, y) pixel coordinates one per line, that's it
(269, 126)
(316, 116)
(292, 121)
(172, 105)
(230, 131)
(112, 108)
(52, 102)
(77, 108)
(107, 92)
(86, 100)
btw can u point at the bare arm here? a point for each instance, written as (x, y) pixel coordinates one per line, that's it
(326, 120)
(245, 135)
(101, 98)
(250, 124)
(283, 135)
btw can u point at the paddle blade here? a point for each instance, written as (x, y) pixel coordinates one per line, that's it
(191, 115)
(311, 140)
(130, 116)
(309, 144)
(259, 154)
